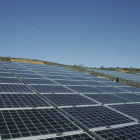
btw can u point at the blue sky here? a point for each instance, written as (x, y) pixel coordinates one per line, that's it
(92, 32)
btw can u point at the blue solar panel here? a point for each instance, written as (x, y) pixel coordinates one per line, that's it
(84, 89)
(130, 96)
(129, 109)
(107, 98)
(14, 88)
(111, 89)
(9, 80)
(98, 79)
(82, 136)
(33, 122)
(69, 99)
(29, 76)
(57, 77)
(114, 84)
(96, 116)
(51, 89)
(92, 83)
(77, 78)
(66, 82)
(6, 74)
(21, 100)
(131, 89)
(39, 81)
(23, 71)
(131, 132)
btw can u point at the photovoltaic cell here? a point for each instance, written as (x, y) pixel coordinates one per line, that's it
(66, 82)
(106, 98)
(68, 99)
(29, 76)
(9, 80)
(21, 100)
(14, 88)
(131, 89)
(84, 89)
(129, 109)
(24, 123)
(82, 136)
(51, 89)
(130, 96)
(96, 116)
(131, 132)
(39, 81)
(111, 89)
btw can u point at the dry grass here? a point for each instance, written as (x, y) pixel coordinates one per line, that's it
(27, 61)
(122, 70)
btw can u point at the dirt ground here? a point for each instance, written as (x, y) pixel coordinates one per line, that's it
(27, 61)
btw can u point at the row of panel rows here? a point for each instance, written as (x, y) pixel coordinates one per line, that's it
(34, 100)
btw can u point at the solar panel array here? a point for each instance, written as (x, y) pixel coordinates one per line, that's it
(46, 102)
(127, 76)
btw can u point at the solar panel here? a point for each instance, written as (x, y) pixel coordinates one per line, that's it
(98, 79)
(39, 81)
(21, 100)
(18, 68)
(131, 132)
(68, 99)
(82, 136)
(130, 96)
(23, 71)
(66, 82)
(3, 70)
(51, 89)
(129, 109)
(91, 83)
(131, 89)
(114, 84)
(33, 122)
(9, 80)
(84, 89)
(14, 88)
(29, 76)
(67, 74)
(89, 76)
(77, 78)
(111, 89)
(57, 77)
(50, 73)
(106, 98)
(96, 116)
(6, 74)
